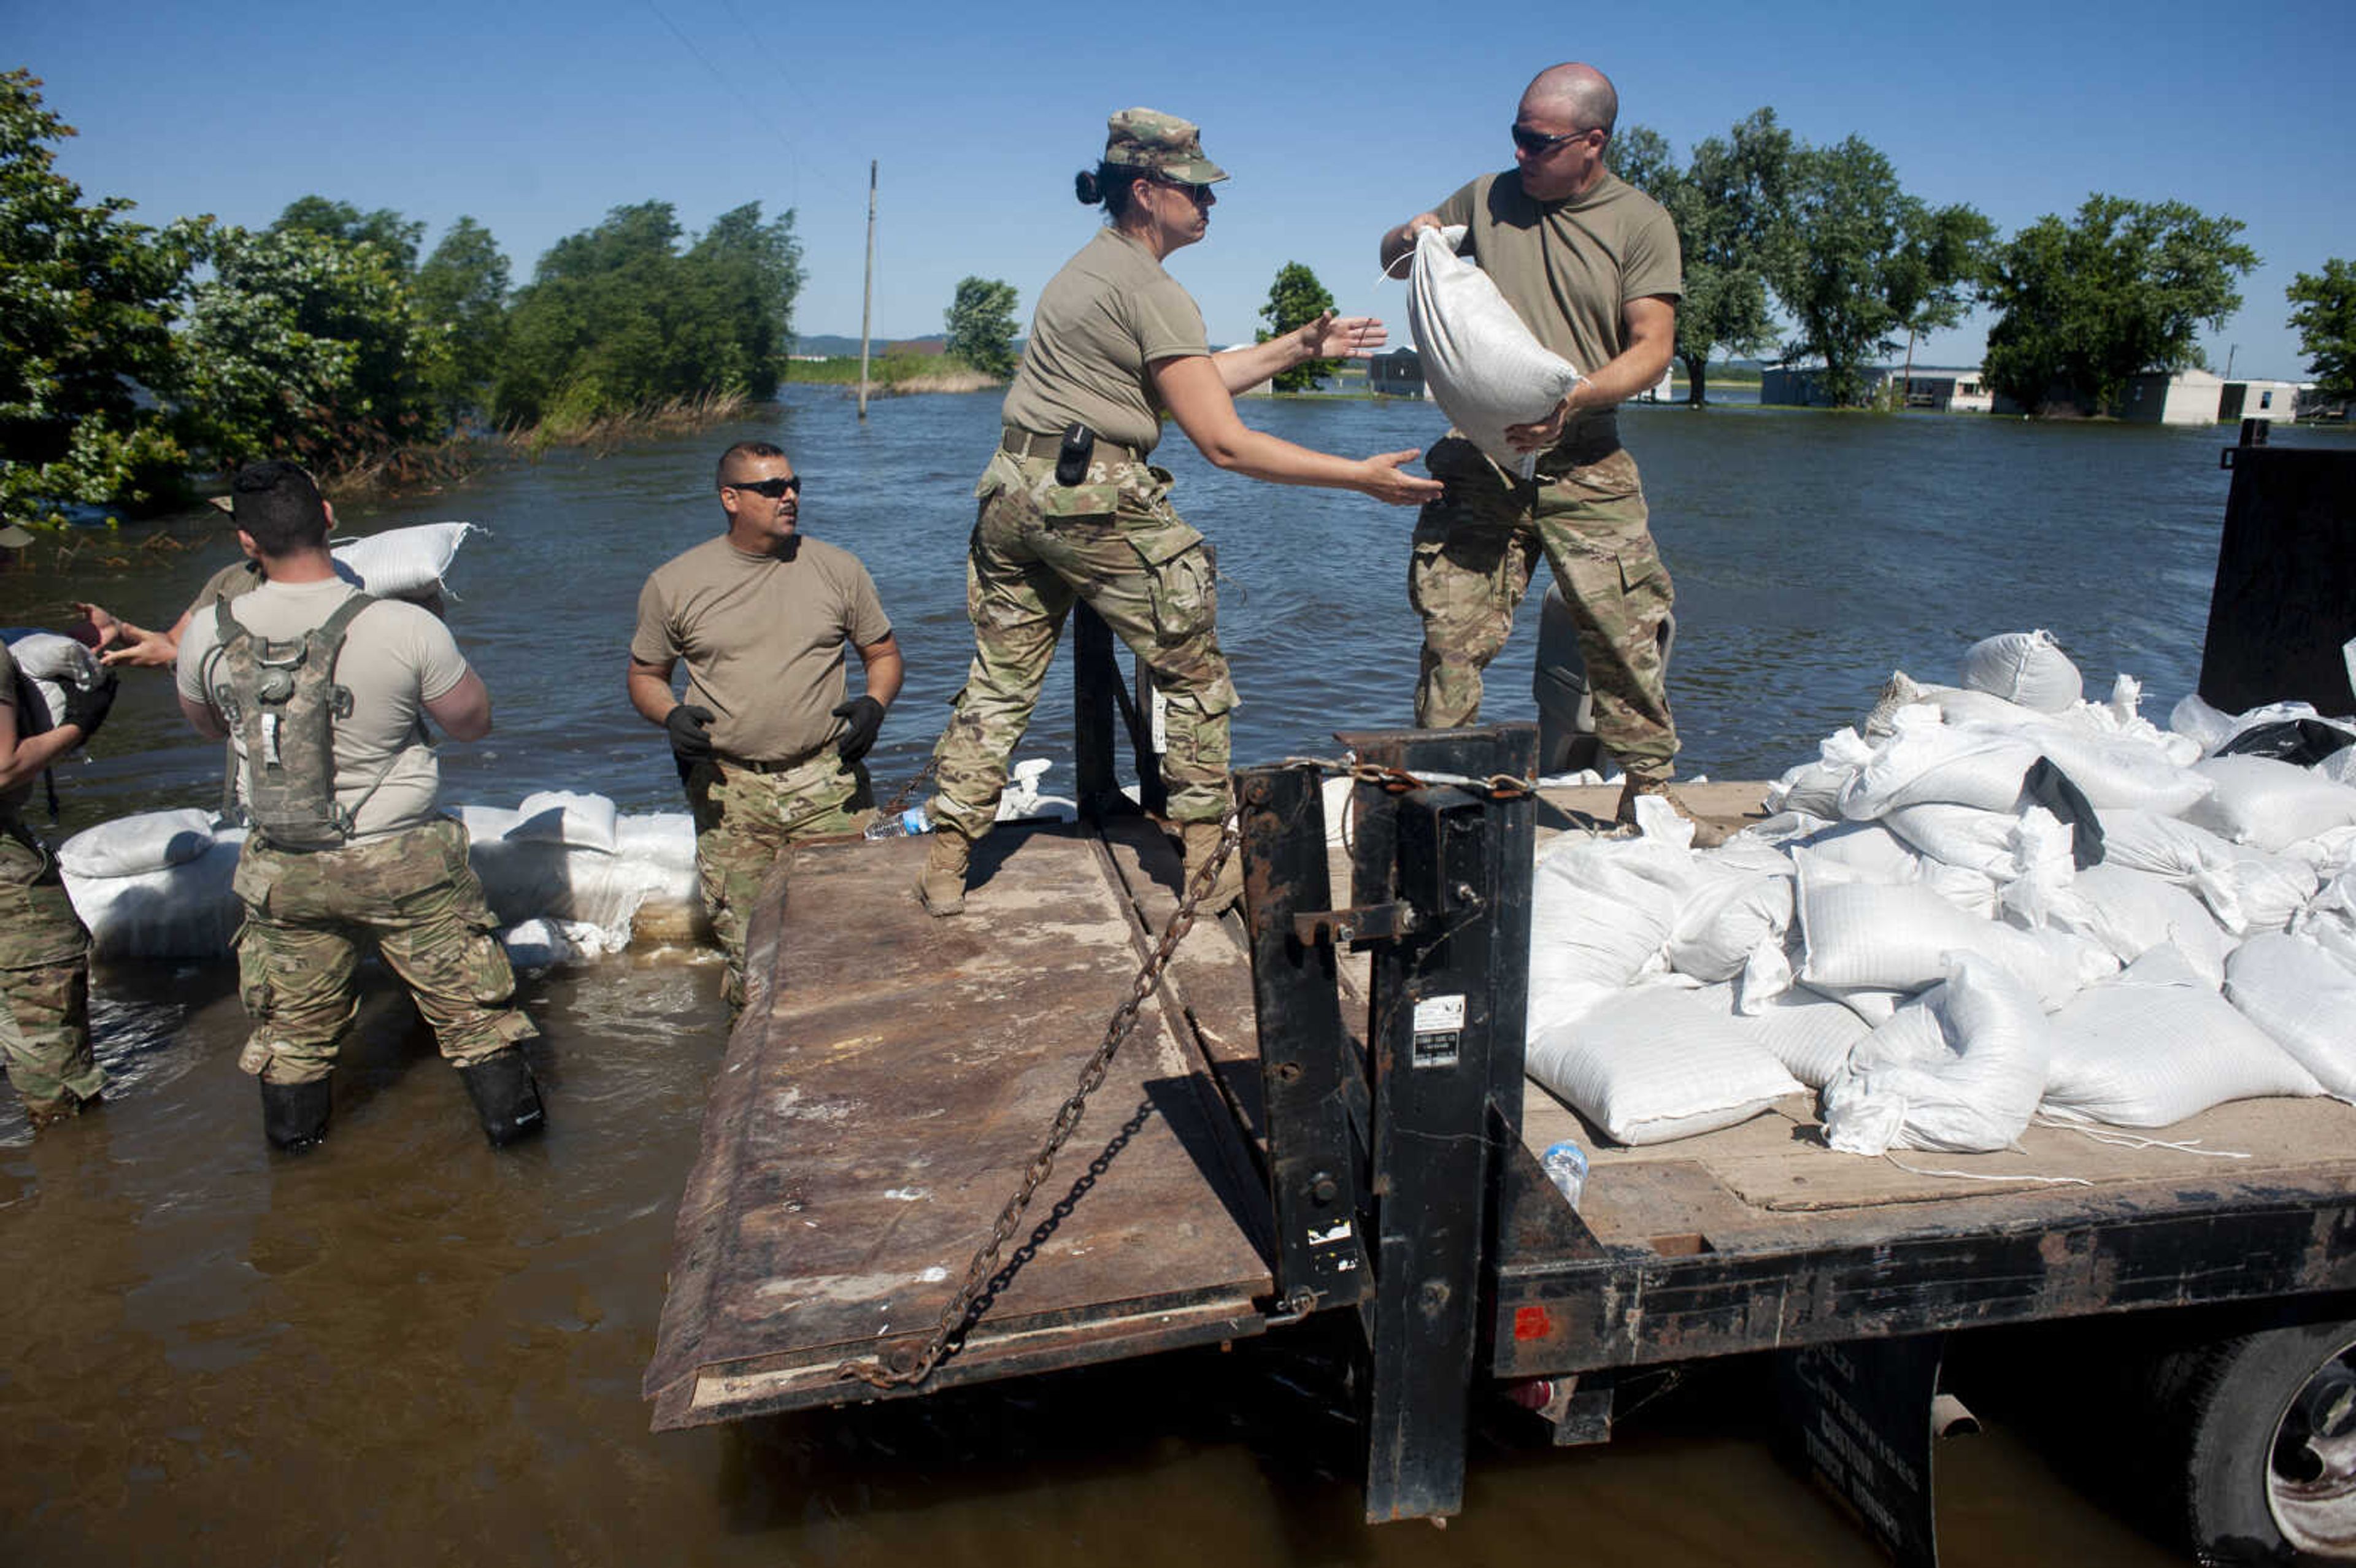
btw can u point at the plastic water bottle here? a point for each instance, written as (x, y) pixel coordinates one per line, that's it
(912, 820)
(1566, 1167)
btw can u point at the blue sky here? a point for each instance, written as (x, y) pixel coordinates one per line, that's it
(1335, 121)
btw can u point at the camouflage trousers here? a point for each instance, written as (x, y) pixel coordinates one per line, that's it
(1474, 552)
(1115, 542)
(745, 820)
(298, 952)
(44, 977)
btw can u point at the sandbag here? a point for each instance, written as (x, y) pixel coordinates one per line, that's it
(2138, 1054)
(1811, 1035)
(1927, 760)
(1899, 938)
(2120, 771)
(1954, 705)
(1815, 787)
(1869, 852)
(183, 911)
(1727, 919)
(1485, 368)
(135, 845)
(2026, 668)
(1959, 1068)
(2268, 803)
(1600, 913)
(55, 666)
(562, 816)
(1657, 1063)
(2304, 998)
(2131, 912)
(403, 563)
(2246, 889)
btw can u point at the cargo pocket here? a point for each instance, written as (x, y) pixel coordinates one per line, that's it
(253, 971)
(1182, 569)
(489, 977)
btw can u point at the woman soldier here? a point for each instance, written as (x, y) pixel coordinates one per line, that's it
(1070, 512)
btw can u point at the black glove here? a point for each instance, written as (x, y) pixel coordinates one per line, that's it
(88, 707)
(862, 718)
(690, 735)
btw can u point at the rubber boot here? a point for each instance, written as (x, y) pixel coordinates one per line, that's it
(55, 1113)
(295, 1115)
(1707, 835)
(505, 1097)
(1202, 841)
(940, 887)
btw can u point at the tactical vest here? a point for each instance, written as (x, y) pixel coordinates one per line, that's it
(282, 701)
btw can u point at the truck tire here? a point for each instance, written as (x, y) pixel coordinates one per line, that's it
(2268, 1443)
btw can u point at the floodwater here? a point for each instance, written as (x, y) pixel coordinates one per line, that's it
(408, 1349)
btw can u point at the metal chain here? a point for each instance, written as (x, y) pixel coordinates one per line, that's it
(1399, 781)
(893, 806)
(961, 1311)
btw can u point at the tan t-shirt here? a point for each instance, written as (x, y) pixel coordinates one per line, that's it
(231, 581)
(397, 658)
(763, 639)
(1101, 323)
(1568, 267)
(12, 801)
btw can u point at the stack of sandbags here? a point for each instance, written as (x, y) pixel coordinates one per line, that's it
(2177, 907)
(154, 885)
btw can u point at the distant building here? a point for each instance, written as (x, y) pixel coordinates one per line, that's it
(2258, 400)
(2181, 396)
(2316, 404)
(1663, 393)
(1944, 389)
(1397, 374)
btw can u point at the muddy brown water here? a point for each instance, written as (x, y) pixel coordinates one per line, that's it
(408, 1349)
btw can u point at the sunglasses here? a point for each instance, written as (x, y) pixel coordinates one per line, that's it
(774, 489)
(1539, 142)
(1199, 194)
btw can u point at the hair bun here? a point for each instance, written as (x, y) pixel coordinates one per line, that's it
(1084, 186)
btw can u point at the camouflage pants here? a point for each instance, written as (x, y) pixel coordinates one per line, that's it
(1474, 549)
(745, 820)
(1115, 542)
(298, 952)
(44, 977)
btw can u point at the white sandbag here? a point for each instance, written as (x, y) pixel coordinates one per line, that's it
(564, 816)
(183, 911)
(135, 845)
(1811, 1035)
(1872, 1006)
(2137, 1054)
(2245, 888)
(661, 839)
(1814, 787)
(403, 563)
(1960, 1068)
(2329, 919)
(1953, 704)
(485, 823)
(2131, 912)
(2027, 667)
(2004, 844)
(1483, 368)
(1658, 1063)
(1869, 852)
(2340, 766)
(1859, 934)
(1927, 760)
(56, 666)
(1727, 919)
(2122, 771)
(2269, 804)
(1600, 913)
(2328, 853)
(2304, 998)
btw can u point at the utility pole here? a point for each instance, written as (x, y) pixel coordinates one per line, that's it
(2231, 350)
(867, 297)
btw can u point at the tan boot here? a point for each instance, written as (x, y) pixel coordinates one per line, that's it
(940, 888)
(1202, 841)
(1707, 835)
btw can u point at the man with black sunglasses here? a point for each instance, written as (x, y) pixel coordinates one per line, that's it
(1591, 267)
(766, 739)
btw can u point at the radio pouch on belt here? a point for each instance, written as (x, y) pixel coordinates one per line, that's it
(281, 700)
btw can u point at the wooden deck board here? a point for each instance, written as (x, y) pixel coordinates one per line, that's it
(881, 1101)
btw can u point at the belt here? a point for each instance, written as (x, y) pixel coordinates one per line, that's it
(1023, 443)
(780, 765)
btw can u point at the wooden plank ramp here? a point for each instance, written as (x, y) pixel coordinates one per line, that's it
(888, 1085)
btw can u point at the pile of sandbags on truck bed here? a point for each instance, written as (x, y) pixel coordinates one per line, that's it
(567, 877)
(1990, 902)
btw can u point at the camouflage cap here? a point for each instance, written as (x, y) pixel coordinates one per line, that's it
(13, 537)
(1148, 139)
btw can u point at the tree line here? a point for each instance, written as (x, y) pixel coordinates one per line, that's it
(1860, 268)
(131, 355)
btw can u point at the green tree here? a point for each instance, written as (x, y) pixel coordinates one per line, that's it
(619, 318)
(86, 304)
(461, 297)
(1860, 263)
(1295, 300)
(341, 221)
(302, 345)
(2123, 289)
(1728, 208)
(981, 320)
(2325, 324)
